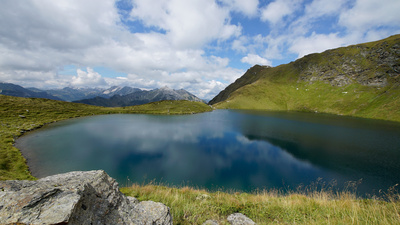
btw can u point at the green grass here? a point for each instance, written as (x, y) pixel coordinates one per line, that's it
(195, 206)
(18, 115)
(351, 100)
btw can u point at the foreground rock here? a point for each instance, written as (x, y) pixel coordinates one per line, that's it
(75, 198)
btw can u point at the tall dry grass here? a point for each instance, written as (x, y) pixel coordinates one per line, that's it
(305, 206)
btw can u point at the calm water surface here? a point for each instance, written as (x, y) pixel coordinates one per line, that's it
(223, 149)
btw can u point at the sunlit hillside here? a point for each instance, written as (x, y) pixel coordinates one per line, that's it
(360, 80)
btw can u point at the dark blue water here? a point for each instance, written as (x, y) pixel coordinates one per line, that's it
(239, 150)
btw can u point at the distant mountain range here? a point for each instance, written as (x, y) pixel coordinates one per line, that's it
(18, 91)
(76, 94)
(112, 97)
(141, 97)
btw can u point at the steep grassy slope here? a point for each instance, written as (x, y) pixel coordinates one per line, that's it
(18, 115)
(360, 80)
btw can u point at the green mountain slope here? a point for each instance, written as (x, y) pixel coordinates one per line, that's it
(359, 80)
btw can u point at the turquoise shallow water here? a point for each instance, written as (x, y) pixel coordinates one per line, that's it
(223, 149)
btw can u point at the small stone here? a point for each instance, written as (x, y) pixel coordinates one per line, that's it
(239, 219)
(203, 197)
(211, 222)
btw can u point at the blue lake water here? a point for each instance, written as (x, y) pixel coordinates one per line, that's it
(223, 149)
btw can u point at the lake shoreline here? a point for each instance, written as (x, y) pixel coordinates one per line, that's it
(195, 207)
(273, 145)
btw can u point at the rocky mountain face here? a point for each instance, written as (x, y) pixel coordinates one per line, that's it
(358, 80)
(75, 198)
(116, 90)
(18, 91)
(141, 97)
(374, 64)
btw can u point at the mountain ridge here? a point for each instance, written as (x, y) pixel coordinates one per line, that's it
(18, 91)
(141, 97)
(75, 94)
(114, 96)
(358, 80)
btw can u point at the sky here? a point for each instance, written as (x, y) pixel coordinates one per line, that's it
(198, 45)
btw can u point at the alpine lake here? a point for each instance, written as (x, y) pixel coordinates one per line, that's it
(224, 150)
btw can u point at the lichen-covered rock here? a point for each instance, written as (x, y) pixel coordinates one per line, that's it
(75, 198)
(154, 213)
(239, 219)
(211, 222)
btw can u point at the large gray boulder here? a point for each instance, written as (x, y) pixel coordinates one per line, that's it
(75, 198)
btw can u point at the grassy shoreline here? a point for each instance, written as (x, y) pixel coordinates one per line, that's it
(195, 206)
(189, 205)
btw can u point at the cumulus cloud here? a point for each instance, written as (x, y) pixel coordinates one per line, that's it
(323, 8)
(368, 16)
(89, 78)
(315, 43)
(253, 59)
(275, 11)
(247, 7)
(187, 23)
(45, 35)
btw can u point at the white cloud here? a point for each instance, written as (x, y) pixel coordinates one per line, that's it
(322, 8)
(315, 43)
(253, 59)
(247, 7)
(240, 44)
(369, 15)
(277, 10)
(187, 23)
(275, 46)
(45, 35)
(87, 79)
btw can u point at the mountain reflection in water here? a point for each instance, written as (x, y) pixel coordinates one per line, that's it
(240, 150)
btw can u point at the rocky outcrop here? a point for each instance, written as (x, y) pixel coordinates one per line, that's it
(370, 64)
(75, 198)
